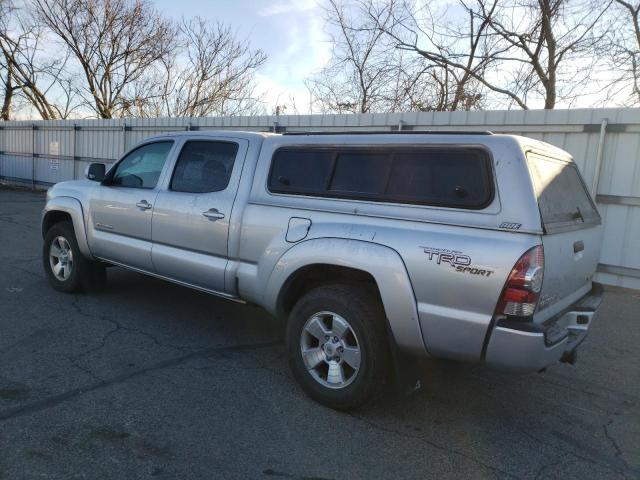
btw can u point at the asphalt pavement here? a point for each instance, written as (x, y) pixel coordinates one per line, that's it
(151, 380)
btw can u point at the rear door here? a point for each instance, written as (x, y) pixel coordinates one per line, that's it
(572, 232)
(191, 218)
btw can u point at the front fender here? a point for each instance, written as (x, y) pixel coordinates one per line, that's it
(383, 263)
(73, 207)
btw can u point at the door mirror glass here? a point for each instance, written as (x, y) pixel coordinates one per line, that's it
(96, 172)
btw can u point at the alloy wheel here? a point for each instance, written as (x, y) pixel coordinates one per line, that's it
(330, 350)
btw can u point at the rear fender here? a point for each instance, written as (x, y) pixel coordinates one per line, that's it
(383, 263)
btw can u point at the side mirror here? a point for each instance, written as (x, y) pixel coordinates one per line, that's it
(96, 172)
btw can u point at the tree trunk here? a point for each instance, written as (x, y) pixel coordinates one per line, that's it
(549, 82)
(8, 97)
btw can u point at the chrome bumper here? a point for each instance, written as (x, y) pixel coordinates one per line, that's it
(523, 346)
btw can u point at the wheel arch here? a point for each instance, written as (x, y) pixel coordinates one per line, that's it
(313, 275)
(60, 209)
(52, 217)
(325, 260)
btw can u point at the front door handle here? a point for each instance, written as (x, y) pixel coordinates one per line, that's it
(144, 205)
(213, 214)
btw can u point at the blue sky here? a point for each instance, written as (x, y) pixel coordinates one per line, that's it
(293, 35)
(290, 32)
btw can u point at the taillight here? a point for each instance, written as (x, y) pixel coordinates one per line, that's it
(520, 294)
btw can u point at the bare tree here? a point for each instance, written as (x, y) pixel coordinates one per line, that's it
(114, 43)
(211, 73)
(550, 35)
(519, 50)
(461, 80)
(437, 88)
(359, 70)
(28, 73)
(623, 49)
(8, 51)
(369, 73)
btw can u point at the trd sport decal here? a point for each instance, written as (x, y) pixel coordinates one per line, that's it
(455, 259)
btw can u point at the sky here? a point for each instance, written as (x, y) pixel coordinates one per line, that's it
(290, 32)
(293, 35)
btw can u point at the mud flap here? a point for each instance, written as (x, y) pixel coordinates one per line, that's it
(407, 369)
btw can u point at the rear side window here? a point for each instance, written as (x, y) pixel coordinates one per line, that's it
(301, 171)
(452, 177)
(563, 199)
(204, 166)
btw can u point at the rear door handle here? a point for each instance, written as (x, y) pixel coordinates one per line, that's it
(213, 214)
(578, 246)
(144, 205)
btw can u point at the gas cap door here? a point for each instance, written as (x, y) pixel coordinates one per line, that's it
(298, 229)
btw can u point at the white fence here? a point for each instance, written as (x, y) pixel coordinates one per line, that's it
(605, 144)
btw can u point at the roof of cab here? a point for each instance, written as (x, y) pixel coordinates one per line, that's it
(215, 133)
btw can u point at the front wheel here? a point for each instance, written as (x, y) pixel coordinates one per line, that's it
(66, 268)
(337, 346)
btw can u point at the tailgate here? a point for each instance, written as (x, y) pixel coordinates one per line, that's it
(570, 261)
(572, 233)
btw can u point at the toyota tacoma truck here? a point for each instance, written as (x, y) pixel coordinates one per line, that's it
(459, 245)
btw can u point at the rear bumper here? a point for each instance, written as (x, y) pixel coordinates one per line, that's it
(523, 347)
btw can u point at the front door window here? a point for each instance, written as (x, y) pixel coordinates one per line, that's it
(142, 167)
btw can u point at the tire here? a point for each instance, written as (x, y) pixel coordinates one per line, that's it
(341, 387)
(78, 273)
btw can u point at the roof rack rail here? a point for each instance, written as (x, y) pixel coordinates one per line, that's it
(392, 132)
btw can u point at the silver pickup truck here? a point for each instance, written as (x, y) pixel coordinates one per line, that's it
(461, 245)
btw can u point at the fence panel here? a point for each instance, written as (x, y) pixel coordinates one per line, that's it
(605, 144)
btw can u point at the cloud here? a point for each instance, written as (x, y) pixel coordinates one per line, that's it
(287, 7)
(303, 49)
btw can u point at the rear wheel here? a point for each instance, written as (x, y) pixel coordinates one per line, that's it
(337, 345)
(66, 268)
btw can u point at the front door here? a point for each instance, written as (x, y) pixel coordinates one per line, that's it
(191, 218)
(120, 212)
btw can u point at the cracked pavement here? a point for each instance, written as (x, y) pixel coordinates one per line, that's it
(151, 380)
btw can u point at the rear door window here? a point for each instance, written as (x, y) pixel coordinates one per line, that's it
(563, 199)
(451, 177)
(204, 166)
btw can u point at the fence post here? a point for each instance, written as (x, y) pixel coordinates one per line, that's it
(599, 155)
(3, 143)
(124, 137)
(73, 152)
(33, 156)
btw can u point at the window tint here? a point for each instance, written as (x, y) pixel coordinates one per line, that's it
(454, 177)
(204, 166)
(301, 171)
(361, 173)
(563, 199)
(142, 167)
(441, 177)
